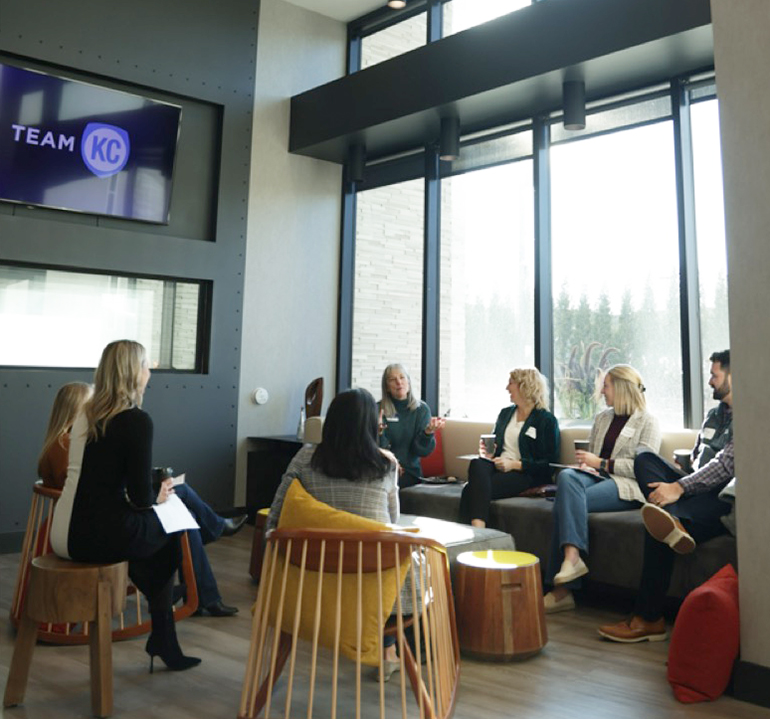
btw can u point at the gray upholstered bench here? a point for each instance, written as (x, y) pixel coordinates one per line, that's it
(616, 539)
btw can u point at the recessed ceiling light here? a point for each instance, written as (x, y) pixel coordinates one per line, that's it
(396, 4)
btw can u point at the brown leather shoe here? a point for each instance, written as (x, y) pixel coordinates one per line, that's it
(634, 630)
(667, 529)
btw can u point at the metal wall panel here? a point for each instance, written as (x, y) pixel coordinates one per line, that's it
(189, 48)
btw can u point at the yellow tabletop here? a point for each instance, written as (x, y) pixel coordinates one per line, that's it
(497, 559)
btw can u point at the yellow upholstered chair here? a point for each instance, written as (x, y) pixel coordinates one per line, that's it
(132, 621)
(327, 593)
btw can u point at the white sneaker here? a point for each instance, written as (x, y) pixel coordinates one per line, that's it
(569, 572)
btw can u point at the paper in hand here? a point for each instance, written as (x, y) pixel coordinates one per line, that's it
(174, 516)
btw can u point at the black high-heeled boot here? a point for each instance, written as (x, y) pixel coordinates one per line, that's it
(163, 643)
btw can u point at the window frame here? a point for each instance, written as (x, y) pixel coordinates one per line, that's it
(203, 321)
(406, 167)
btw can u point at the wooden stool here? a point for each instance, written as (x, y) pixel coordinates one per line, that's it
(499, 601)
(133, 622)
(63, 591)
(257, 544)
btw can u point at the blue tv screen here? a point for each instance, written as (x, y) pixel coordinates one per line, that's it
(75, 146)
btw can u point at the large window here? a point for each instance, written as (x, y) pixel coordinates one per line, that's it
(394, 40)
(710, 227)
(387, 305)
(615, 256)
(56, 318)
(487, 287)
(565, 251)
(462, 14)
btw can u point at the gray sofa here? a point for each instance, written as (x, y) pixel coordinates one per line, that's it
(615, 538)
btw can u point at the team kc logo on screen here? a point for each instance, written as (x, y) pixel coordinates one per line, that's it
(104, 148)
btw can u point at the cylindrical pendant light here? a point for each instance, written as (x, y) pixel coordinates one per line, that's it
(449, 142)
(356, 162)
(574, 103)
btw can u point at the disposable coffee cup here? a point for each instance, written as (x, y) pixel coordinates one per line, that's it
(489, 443)
(682, 458)
(581, 445)
(159, 474)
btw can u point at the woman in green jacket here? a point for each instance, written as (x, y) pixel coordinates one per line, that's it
(406, 427)
(526, 442)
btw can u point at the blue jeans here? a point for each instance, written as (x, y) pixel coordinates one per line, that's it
(211, 525)
(578, 494)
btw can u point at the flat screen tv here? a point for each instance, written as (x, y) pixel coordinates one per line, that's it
(75, 146)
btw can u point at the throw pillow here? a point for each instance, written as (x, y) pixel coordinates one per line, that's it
(433, 464)
(302, 511)
(706, 638)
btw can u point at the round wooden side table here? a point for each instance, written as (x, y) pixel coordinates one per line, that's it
(499, 604)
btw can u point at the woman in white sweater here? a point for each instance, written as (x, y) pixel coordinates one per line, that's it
(603, 482)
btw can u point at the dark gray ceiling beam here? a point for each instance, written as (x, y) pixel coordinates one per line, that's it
(505, 70)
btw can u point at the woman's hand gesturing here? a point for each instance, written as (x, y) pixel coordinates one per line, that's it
(434, 424)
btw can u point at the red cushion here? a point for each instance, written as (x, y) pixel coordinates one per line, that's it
(706, 639)
(433, 464)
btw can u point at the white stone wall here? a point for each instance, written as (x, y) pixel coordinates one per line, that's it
(393, 41)
(185, 326)
(387, 296)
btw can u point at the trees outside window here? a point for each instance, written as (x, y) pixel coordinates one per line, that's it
(615, 261)
(487, 286)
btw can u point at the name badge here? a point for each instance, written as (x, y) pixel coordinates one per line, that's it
(627, 431)
(531, 432)
(708, 432)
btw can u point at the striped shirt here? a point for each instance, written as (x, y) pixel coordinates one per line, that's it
(713, 475)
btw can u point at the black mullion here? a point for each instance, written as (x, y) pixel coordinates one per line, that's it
(435, 28)
(689, 296)
(344, 369)
(431, 278)
(543, 280)
(354, 53)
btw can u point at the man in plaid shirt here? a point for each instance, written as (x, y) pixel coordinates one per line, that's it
(693, 510)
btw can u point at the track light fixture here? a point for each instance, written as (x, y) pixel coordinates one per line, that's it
(574, 104)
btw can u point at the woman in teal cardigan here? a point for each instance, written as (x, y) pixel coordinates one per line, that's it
(406, 427)
(526, 442)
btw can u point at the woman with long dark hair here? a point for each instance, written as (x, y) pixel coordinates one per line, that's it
(349, 471)
(105, 510)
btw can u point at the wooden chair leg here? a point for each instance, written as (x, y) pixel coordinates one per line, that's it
(418, 685)
(284, 647)
(18, 674)
(100, 649)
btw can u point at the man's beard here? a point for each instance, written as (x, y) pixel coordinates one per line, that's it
(722, 391)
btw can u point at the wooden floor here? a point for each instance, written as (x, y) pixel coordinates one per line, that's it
(578, 675)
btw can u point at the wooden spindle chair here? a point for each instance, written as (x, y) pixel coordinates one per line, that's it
(133, 621)
(346, 613)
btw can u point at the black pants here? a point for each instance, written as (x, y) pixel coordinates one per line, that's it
(153, 574)
(701, 516)
(485, 483)
(406, 479)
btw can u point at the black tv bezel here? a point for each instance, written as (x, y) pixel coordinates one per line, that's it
(61, 74)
